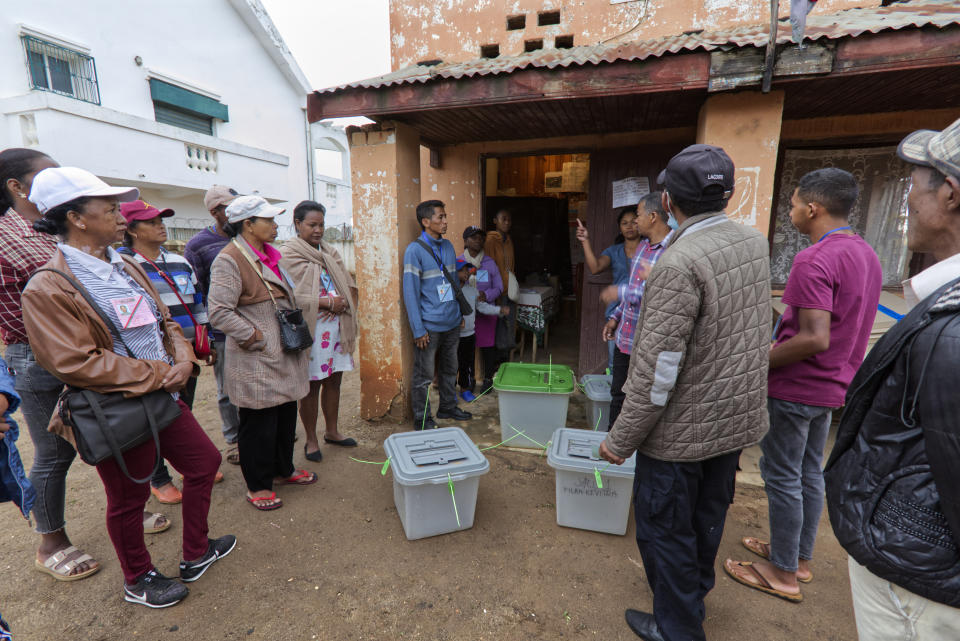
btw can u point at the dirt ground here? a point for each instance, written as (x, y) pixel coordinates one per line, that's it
(333, 563)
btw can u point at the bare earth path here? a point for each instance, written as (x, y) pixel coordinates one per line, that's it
(333, 563)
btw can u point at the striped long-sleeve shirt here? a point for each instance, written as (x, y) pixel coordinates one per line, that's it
(631, 293)
(179, 270)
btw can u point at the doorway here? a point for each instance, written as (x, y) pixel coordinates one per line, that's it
(545, 194)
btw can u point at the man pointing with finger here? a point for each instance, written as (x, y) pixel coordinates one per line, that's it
(696, 389)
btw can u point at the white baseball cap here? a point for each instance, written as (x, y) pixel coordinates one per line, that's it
(58, 185)
(243, 207)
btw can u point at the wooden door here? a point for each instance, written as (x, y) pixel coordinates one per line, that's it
(605, 167)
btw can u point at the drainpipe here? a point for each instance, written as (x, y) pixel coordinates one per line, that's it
(771, 47)
(311, 187)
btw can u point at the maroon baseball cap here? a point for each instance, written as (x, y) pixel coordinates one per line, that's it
(142, 210)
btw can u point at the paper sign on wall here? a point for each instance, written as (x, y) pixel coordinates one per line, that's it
(575, 177)
(553, 182)
(629, 191)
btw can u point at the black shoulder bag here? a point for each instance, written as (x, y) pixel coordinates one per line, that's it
(294, 333)
(107, 425)
(465, 308)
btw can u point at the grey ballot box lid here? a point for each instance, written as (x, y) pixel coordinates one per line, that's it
(574, 450)
(597, 386)
(418, 458)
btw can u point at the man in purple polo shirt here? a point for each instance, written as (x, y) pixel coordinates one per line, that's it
(831, 296)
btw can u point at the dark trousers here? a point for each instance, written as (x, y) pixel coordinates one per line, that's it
(492, 357)
(193, 454)
(266, 444)
(442, 352)
(466, 353)
(621, 363)
(680, 510)
(162, 476)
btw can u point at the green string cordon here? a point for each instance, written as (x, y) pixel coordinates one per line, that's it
(484, 449)
(477, 398)
(385, 465)
(520, 433)
(599, 416)
(596, 475)
(426, 404)
(453, 498)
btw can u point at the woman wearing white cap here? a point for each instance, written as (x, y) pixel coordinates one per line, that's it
(100, 325)
(247, 291)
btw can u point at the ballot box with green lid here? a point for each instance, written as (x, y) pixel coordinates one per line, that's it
(591, 493)
(436, 475)
(533, 400)
(597, 389)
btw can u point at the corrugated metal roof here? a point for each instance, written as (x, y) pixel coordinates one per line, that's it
(851, 22)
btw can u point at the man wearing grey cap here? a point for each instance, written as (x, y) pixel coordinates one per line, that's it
(893, 479)
(200, 251)
(696, 389)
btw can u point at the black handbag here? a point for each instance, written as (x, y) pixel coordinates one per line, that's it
(465, 308)
(107, 425)
(294, 333)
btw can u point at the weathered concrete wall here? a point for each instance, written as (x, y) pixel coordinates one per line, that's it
(386, 177)
(747, 125)
(454, 30)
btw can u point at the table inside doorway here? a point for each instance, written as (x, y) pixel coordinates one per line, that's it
(536, 307)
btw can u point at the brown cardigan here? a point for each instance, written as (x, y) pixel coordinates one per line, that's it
(69, 339)
(258, 373)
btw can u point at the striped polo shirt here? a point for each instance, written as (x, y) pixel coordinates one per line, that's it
(181, 273)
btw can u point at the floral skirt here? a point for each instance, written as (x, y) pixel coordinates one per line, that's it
(326, 355)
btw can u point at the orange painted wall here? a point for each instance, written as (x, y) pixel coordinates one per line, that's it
(747, 125)
(454, 30)
(385, 173)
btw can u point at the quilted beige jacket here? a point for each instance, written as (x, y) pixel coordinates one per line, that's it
(697, 383)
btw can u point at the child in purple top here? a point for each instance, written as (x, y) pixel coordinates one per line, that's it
(489, 286)
(832, 296)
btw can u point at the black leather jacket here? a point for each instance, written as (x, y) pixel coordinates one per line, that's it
(893, 478)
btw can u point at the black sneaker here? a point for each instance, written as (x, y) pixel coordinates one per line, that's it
(421, 424)
(216, 550)
(155, 591)
(456, 414)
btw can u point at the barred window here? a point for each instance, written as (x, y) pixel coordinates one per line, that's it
(60, 70)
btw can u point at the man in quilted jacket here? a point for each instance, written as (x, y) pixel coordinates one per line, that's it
(696, 389)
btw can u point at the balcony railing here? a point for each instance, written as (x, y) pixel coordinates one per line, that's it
(201, 158)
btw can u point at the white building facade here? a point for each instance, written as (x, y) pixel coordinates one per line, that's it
(171, 97)
(331, 162)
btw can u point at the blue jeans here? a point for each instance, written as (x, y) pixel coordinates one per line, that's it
(441, 349)
(792, 470)
(52, 456)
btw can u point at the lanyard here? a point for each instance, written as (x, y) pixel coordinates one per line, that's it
(326, 280)
(833, 230)
(427, 238)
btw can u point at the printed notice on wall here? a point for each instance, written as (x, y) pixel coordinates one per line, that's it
(629, 191)
(575, 177)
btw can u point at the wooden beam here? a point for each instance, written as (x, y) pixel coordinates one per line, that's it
(668, 73)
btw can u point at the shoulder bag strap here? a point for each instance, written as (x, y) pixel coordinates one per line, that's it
(86, 295)
(443, 269)
(172, 284)
(257, 270)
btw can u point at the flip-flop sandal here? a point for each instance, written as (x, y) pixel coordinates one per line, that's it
(763, 585)
(169, 496)
(60, 564)
(150, 524)
(762, 549)
(233, 456)
(261, 502)
(347, 442)
(301, 477)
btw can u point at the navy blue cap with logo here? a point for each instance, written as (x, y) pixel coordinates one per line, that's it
(699, 174)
